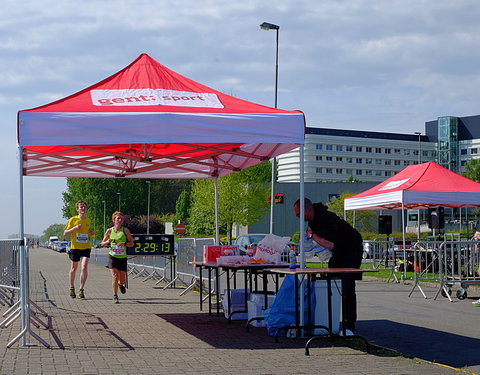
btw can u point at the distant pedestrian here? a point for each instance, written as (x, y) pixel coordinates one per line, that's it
(118, 238)
(346, 243)
(78, 228)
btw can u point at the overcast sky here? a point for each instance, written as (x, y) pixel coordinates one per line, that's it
(352, 64)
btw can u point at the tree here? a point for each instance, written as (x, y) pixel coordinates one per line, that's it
(184, 202)
(364, 220)
(53, 230)
(241, 200)
(132, 199)
(472, 170)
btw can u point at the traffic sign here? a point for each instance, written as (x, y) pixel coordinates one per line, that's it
(180, 228)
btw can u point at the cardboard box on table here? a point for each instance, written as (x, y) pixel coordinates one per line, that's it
(211, 253)
(237, 303)
(256, 307)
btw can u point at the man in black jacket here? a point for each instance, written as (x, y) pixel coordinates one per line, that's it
(346, 243)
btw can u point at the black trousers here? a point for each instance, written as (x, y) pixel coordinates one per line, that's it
(350, 259)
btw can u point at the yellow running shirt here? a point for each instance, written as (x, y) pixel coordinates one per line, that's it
(79, 238)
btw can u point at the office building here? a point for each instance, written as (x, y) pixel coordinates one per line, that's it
(334, 155)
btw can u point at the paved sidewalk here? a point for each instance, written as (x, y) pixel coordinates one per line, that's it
(156, 331)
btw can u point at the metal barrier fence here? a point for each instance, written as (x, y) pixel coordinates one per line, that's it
(9, 271)
(190, 250)
(459, 266)
(172, 269)
(449, 263)
(384, 255)
(158, 267)
(14, 286)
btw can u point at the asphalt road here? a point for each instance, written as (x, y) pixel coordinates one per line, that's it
(435, 330)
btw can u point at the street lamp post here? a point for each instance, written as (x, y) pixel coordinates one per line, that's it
(271, 26)
(104, 213)
(148, 207)
(118, 201)
(419, 162)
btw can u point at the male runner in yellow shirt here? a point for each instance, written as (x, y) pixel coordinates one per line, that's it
(78, 228)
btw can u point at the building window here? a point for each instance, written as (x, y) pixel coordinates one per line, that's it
(378, 150)
(329, 170)
(388, 150)
(359, 148)
(396, 151)
(328, 158)
(329, 147)
(463, 151)
(349, 148)
(348, 171)
(339, 170)
(378, 173)
(378, 161)
(368, 149)
(318, 158)
(339, 148)
(388, 173)
(405, 163)
(358, 172)
(406, 152)
(462, 163)
(339, 158)
(397, 162)
(473, 151)
(319, 170)
(319, 146)
(358, 160)
(368, 172)
(368, 161)
(388, 162)
(349, 160)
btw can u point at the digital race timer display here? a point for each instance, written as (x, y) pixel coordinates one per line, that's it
(152, 244)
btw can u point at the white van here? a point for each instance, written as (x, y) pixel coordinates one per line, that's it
(52, 241)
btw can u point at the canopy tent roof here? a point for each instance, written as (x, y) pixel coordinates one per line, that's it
(418, 186)
(147, 121)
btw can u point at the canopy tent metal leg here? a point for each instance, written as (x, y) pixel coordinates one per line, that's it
(302, 232)
(217, 225)
(24, 273)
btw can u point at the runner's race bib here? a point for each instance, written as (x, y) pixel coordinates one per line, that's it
(117, 250)
(82, 238)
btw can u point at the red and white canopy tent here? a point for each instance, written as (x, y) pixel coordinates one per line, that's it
(147, 121)
(418, 187)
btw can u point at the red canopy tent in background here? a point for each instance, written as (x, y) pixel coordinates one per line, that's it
(147, 121)
(418, 187)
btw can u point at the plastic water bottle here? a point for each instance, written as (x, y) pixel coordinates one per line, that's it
(292, 256)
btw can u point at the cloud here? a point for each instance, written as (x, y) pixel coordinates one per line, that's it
(358, 64)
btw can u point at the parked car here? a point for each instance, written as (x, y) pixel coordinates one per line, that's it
(374, 250)
(61, 246)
